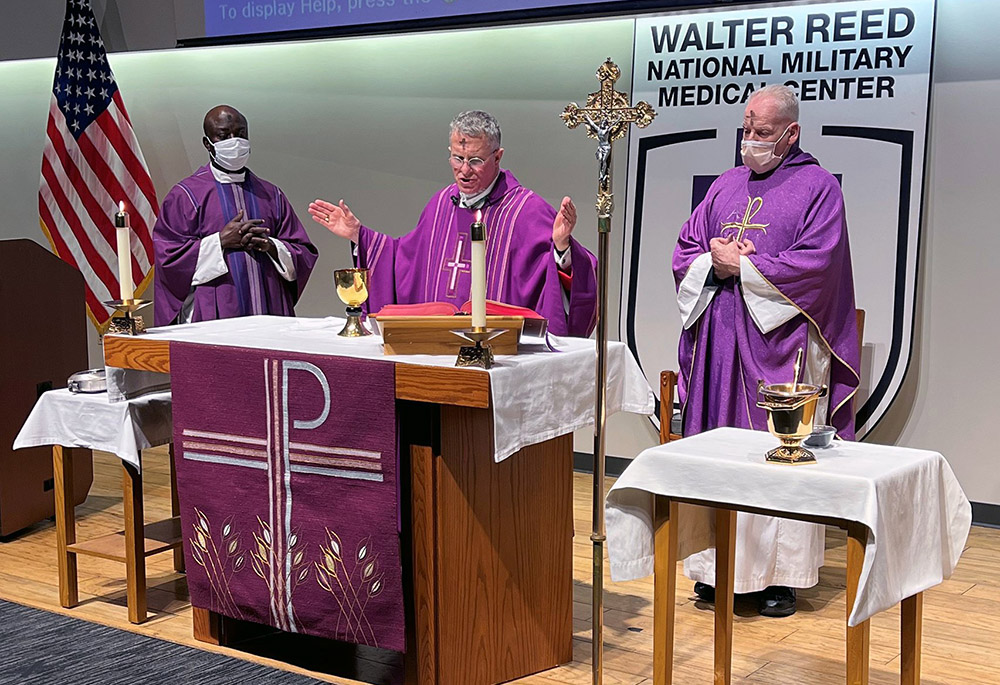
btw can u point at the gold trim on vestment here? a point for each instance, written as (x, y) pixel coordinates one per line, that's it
(819, 332)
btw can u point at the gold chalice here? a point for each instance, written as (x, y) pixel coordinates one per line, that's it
(352, 289)
(791, 408)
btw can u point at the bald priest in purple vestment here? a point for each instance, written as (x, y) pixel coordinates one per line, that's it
(227, 243)
(532, 260)
(763, 268)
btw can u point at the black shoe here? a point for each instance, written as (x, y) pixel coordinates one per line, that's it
(777, 601)
(706, 593)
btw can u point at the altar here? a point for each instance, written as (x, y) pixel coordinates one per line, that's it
(484, 479)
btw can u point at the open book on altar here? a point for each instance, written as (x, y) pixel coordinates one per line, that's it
(535, 325)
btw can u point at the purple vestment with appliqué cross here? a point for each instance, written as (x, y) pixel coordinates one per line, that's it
(431, 263)
(802, 252)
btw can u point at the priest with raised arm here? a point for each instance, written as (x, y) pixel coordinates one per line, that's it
(532, 260)
(763, 268)
(227, 243)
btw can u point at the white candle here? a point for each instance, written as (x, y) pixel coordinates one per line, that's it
(124, 253)
(478, 234)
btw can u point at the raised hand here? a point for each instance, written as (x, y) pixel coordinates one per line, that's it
(564, 224)
(336, 218)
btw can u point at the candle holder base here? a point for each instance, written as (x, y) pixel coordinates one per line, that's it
(480, 354)
(127, 322)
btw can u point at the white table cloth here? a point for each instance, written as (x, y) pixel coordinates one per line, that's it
(90, 420)
(917, 515)
(537, 394)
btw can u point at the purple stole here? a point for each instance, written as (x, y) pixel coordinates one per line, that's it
(244, 266)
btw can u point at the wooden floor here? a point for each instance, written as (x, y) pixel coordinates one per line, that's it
(961, 617)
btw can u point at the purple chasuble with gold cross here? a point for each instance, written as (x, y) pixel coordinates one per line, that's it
(199, 206)
(432, 262)
(795, 218)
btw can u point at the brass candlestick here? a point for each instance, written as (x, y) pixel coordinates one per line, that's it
(128, 323)
(480, 354)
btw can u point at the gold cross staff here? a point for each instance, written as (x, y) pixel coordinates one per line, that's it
(607, 116)
(753, 206)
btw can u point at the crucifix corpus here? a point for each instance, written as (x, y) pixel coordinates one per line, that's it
(606, 116)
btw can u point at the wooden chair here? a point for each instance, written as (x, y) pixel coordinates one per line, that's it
(668, 382)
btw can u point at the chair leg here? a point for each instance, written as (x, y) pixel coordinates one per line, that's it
(62, 472)
(135, 544)
(668, 380)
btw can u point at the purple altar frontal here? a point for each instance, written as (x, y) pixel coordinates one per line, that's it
(287, 478)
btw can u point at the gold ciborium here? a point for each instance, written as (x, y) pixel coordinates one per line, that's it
(791, 408)
(352, 289)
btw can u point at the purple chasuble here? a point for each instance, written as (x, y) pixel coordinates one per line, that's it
(801, 250)
(432, 263)
(289, 504)
(199, 206)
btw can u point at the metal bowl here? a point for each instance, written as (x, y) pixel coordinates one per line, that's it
(89, 381)
(821, 436)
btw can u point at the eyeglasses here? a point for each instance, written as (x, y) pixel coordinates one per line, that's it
(475, 163)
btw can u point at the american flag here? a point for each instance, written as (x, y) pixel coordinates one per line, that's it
(92, 162)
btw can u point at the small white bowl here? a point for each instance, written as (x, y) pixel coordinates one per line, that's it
(822, 436)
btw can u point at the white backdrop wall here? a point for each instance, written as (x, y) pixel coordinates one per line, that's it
(366, 119)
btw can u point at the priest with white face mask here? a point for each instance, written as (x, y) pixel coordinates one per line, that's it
(763, 269)
(227, 243)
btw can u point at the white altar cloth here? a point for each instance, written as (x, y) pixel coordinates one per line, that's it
(90, 420)
(537, 394)
(917, 515)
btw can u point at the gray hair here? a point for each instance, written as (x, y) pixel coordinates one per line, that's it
(478, 124)
(784, 98)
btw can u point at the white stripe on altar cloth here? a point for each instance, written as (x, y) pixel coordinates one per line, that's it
(225, 449)
(355, 470)
(346, 458)
(338, 451)
(229, 461)
(337, 473)
(301, 458)
(224, 436)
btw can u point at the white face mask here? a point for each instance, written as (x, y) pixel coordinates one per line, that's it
(232, 154)
(759, 155)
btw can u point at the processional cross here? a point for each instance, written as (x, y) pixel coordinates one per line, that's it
(607, 116)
